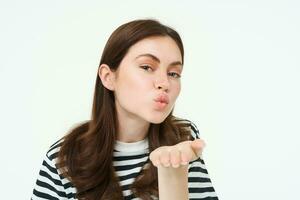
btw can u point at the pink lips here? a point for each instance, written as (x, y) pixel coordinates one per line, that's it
(161, 101)
(162, 98)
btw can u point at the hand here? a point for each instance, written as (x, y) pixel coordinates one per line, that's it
(176, 155)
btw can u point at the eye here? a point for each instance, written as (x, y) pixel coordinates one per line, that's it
(146, 67)
(175, 75)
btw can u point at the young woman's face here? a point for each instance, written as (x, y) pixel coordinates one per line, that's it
(148, 74)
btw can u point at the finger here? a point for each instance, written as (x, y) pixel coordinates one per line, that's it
(175, 157)
(185, 158)
(164, 157)
(198, 146)
(154, 157)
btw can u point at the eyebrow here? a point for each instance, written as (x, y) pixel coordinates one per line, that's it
(153, 57)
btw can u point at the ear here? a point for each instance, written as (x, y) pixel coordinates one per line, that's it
(107, 76)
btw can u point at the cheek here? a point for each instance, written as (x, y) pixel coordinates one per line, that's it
(179, 88)
(133, 88)
(137, 84)
(176, 89)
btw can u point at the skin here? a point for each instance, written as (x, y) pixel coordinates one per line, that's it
(151, 67)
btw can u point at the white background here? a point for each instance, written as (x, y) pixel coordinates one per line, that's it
(240, 85)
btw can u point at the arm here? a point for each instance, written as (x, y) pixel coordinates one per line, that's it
(173, 183)
(200, 185)
(172, 180)
(50, 184)
(172, 163)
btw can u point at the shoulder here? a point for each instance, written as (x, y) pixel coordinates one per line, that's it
(53, 150)
(49, 164)
(190, 125)
(50, 182)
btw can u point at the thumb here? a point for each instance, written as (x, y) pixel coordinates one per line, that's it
(198, 146)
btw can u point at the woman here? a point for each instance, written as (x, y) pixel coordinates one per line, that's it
(107, 157)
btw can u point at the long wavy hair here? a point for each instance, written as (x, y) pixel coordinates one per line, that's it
(86, 154)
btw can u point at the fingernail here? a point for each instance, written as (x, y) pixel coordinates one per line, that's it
(166, 164)
(184, 163)
(175, 166)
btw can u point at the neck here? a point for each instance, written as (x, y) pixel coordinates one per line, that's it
(132, 129)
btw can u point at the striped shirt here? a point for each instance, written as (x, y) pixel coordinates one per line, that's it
(128, 161)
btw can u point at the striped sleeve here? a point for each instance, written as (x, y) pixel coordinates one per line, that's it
(50, 184)
(199, 183)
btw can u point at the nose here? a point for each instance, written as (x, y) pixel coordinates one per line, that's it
(162, 82)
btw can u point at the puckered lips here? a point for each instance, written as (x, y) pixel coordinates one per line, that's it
(161, 101)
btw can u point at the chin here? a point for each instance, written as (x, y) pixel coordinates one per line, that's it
(157, 119)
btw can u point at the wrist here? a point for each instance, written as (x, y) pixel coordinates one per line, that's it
(173, 174)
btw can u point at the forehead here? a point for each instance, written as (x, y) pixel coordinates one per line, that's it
(164, 47)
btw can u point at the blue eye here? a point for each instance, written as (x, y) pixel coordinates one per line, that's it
(175, 75)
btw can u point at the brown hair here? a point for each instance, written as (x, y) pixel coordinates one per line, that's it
(86, 155)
